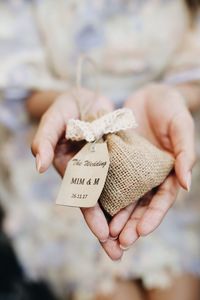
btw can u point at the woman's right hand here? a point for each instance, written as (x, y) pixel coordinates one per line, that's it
(49, 146)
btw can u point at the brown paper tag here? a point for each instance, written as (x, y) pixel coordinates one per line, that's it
(85, 176)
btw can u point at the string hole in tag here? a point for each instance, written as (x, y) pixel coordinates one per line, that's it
(93, 147)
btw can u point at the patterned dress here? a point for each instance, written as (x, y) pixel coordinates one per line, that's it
(133, 43)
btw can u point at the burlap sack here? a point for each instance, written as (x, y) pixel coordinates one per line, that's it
(136, 166)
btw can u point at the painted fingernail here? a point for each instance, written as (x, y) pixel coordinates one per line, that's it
(113, 238)
(38, 163)
(189, 181)
(124, 248)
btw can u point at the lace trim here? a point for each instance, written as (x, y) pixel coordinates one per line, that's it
(120, 119)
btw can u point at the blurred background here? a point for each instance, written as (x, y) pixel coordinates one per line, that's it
(47, 252)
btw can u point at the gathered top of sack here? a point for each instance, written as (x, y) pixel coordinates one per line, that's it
(136, 166)
(118, 120)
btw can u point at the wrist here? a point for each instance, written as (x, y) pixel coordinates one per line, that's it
(157, 92)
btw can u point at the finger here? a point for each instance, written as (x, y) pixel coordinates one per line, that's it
(181, 133)
(158, 207)
(119, 220)
(112, 249)
(50, 129)
(129, 233)
(96, 221)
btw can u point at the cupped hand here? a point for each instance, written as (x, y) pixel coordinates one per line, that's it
(49, 146)
(165, 121)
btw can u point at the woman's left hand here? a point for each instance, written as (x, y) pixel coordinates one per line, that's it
(165, 121)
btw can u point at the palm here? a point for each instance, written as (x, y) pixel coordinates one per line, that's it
(162, 118)
(153, 119)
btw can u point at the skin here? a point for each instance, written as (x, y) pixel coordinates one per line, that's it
(185, 287)
(125, 289)
(164, 118)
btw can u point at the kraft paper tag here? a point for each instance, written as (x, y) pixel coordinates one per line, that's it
(85, 176)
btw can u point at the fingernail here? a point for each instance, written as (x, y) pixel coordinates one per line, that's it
(38, 163)
(113, 238)
(124, 248)
(118, 260)
(103, 241)
(189, 181)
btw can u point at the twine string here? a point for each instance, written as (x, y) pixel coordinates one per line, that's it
(85, 106)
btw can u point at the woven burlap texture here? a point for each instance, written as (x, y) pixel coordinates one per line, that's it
(136, 167)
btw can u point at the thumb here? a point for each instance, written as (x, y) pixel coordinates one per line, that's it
(181, 133)
(50, 129)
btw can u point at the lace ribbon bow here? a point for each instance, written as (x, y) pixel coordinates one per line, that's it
(120, 119)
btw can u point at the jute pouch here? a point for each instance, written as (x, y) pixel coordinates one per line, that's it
(136, 167)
